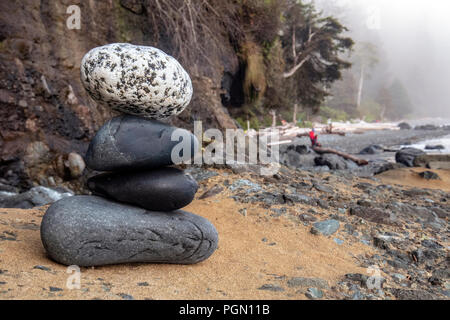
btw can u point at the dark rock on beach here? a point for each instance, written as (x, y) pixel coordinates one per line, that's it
(334, 162)
(130, 142)
(92, 231)
(404, 126)
(164, 189)
(406, 156)
(325, 228)
(372, 149)
(434, 147)
(429, 175)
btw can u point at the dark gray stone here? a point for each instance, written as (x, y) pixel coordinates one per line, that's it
(372, 149)
(406, 294)
(308, 282)
(271, 287)
(92, 231)
(434, 147)
(404, 126)
(164, 189)
(429, 175)
(326, 228)
(426, 127)
(334, 162)
(129, 142)
(376, 215)
(314, 293)
(406, 156)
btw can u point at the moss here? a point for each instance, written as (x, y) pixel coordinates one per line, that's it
(255, 79)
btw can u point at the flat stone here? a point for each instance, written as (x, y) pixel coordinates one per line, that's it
(308, 282)
(137, 80)
(373, 214)
(314, 293)
(92, 231)
(434, 147)
(326, 228)
(129, 142)
(164, 189)
(271, 287)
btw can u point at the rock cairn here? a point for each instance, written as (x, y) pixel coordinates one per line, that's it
(134, 214)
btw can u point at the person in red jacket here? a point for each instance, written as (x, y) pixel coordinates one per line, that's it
(313, 136)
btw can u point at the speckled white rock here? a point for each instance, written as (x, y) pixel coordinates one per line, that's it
(138, 80)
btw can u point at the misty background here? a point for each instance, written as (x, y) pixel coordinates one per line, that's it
(405, 45)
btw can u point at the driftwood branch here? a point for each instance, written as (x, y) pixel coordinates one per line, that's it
(360, 162)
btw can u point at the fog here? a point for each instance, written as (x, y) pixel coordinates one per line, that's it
(414, 37)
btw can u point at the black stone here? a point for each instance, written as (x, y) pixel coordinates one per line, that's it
(92, 231)
(164, 189)
(434, 147)
(128, 142)
(404, 126)
(406, 156)
(429, 175)
(334, 162)
(372, 149)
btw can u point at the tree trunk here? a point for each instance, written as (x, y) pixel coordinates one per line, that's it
(274, 119)
(360, 162)
(294, 118)
(360, 89)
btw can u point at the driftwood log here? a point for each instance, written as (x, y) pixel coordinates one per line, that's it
(360, 162)
(299, 135)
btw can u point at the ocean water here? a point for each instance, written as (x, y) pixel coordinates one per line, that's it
(444, 141)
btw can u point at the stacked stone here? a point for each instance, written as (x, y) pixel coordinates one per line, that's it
(134, 214)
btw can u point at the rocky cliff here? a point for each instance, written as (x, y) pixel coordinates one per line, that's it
(45, 113)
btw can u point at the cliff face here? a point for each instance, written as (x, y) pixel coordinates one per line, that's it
(45, 112)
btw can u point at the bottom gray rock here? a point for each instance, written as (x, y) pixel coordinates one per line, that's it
(92, 231)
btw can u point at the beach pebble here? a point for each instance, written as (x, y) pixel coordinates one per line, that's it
(138, 80)
(92, 231)
(325, 228)
(129, 142)
(314, 293)
(164, 189)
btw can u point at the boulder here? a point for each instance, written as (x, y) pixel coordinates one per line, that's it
(406, 156)
(404, 126)
(92, 231)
